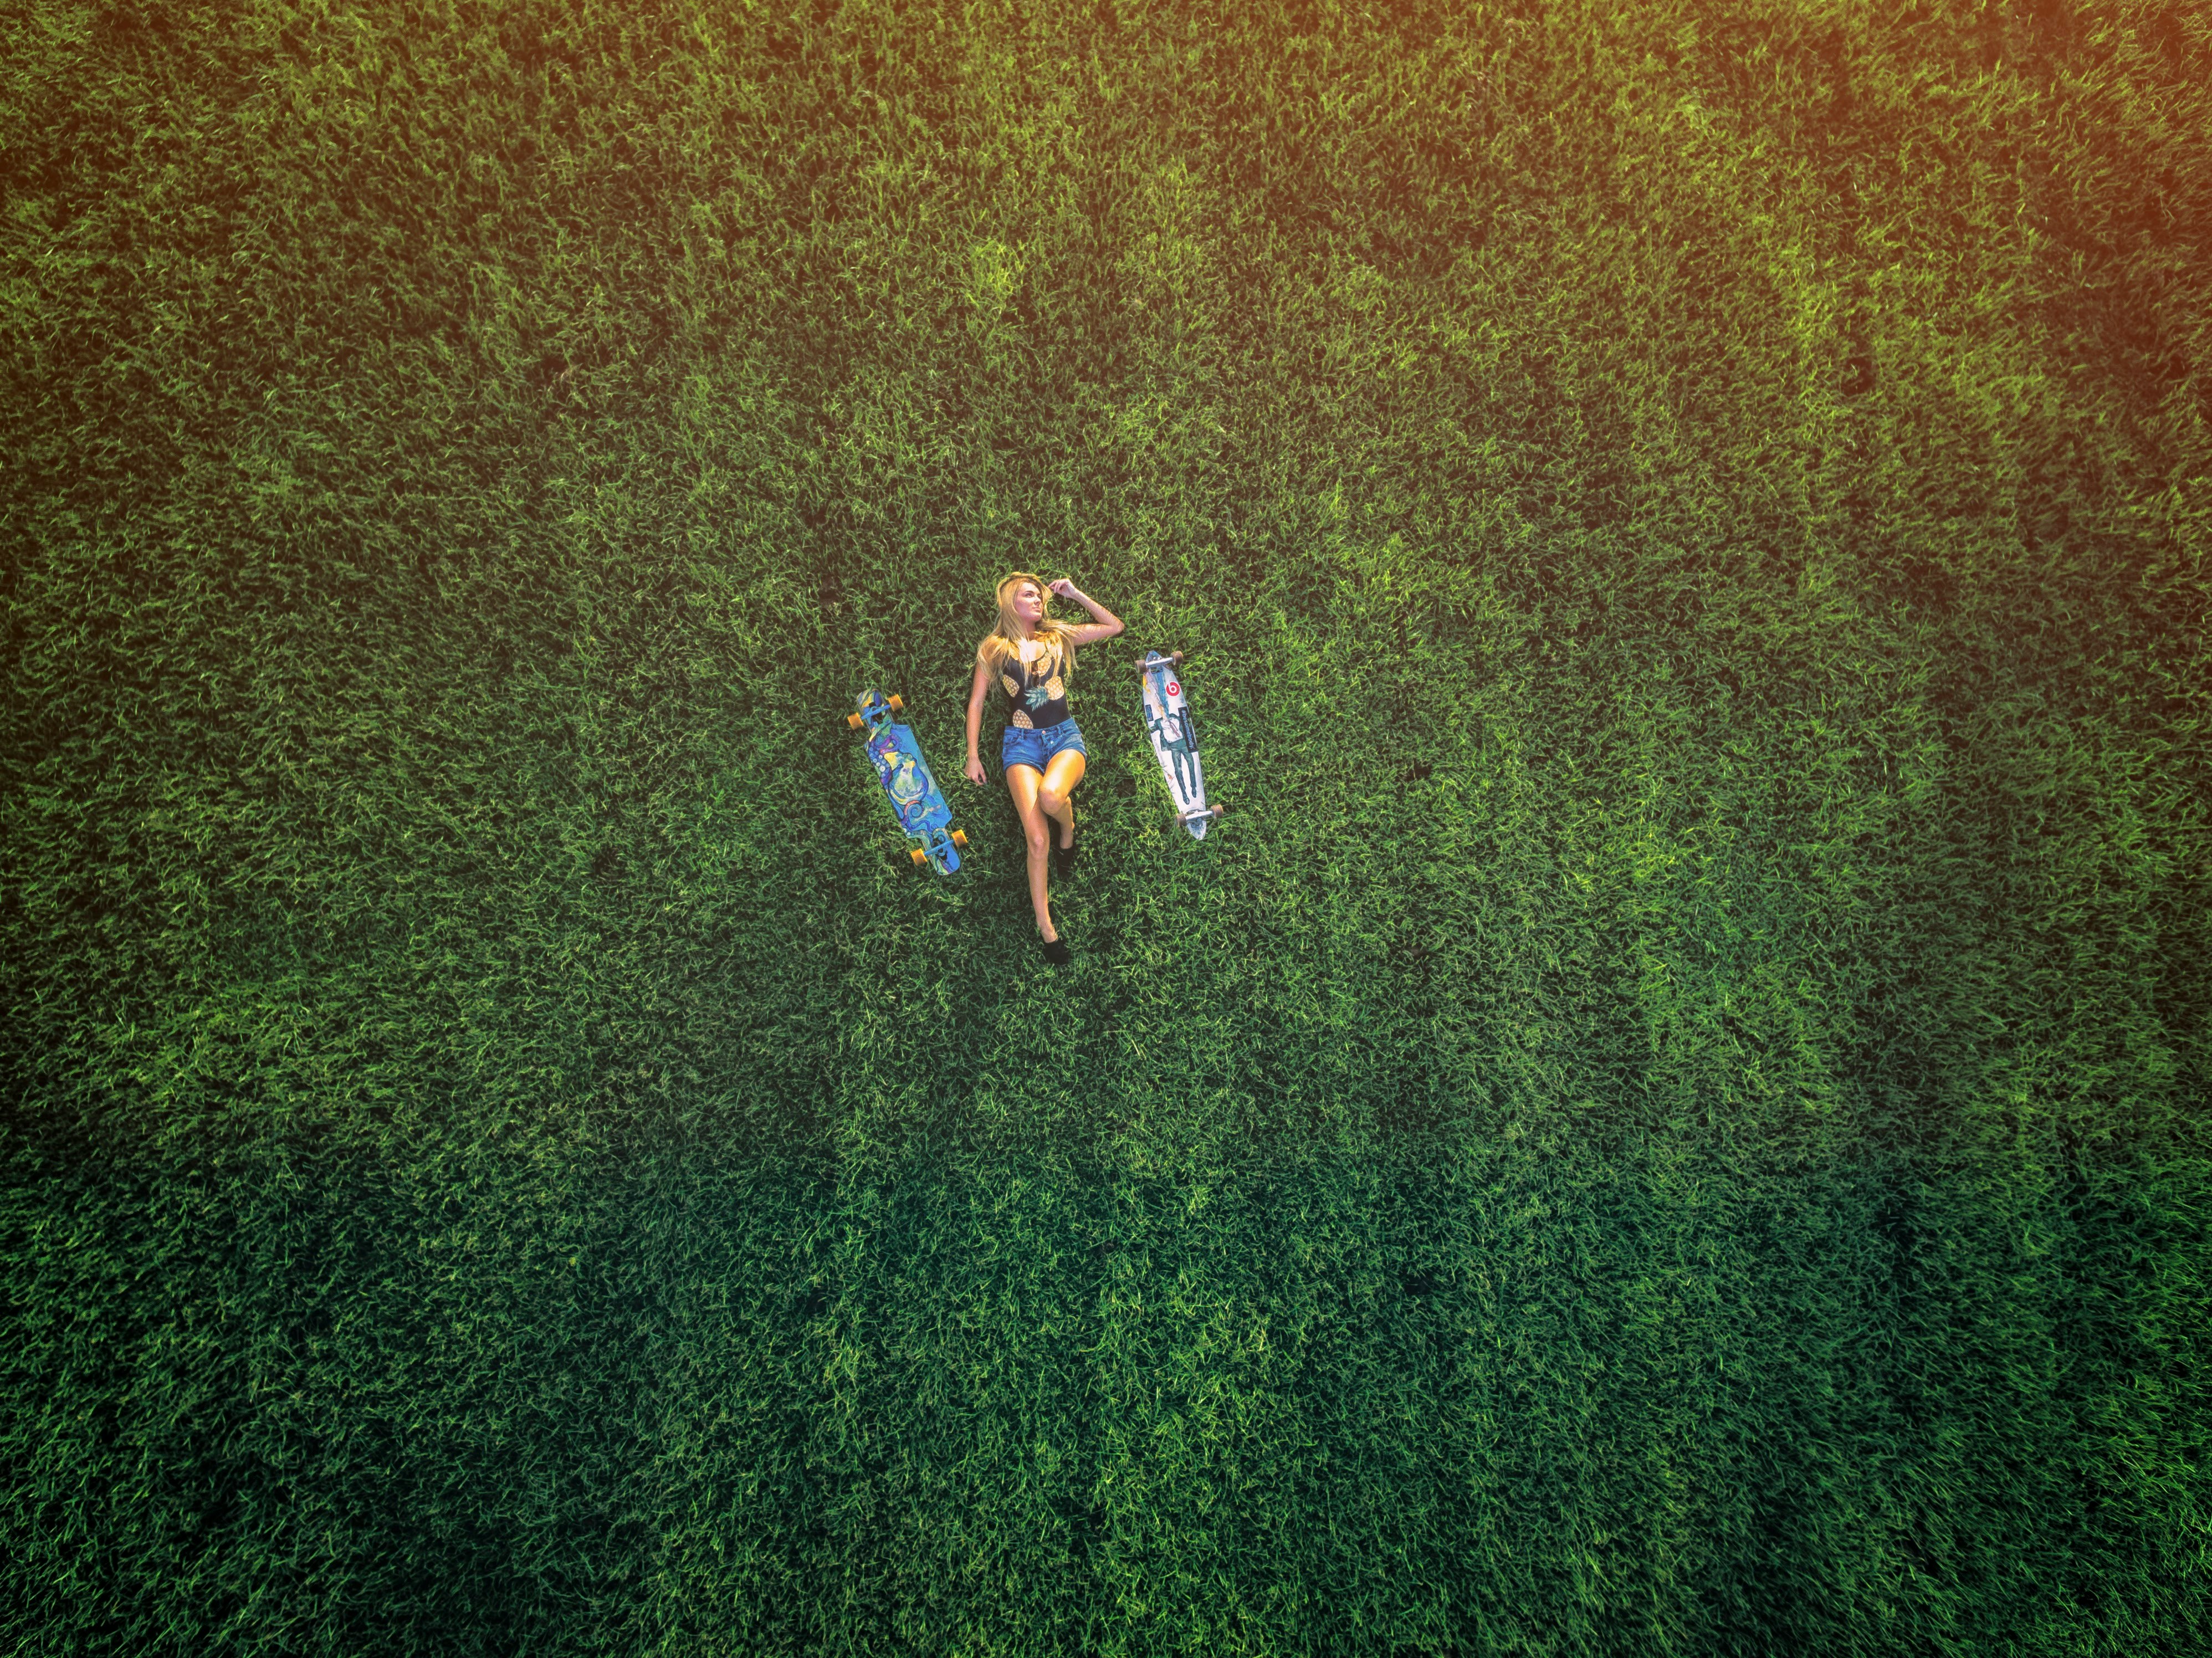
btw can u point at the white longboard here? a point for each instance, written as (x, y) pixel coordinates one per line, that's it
(1175, 740)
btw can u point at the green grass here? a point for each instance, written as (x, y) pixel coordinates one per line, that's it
(1670, 1118)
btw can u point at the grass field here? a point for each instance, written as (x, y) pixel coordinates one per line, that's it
(1671, 1117)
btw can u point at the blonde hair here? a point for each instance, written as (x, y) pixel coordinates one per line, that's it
(1005, 641)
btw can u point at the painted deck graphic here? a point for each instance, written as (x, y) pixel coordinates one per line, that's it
(1175, 740)
(907, 783)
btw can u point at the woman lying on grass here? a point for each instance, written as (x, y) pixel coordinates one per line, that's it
(1030, 656)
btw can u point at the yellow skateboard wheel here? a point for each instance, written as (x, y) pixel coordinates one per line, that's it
(918, 855)
(960, 838)
(854, 722)
(897, 704)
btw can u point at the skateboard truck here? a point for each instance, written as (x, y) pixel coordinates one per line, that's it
(895, 704)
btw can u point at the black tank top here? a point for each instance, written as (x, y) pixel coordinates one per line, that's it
(1035, 692)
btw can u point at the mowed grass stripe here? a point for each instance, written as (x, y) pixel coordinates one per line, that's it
(1348, 1399)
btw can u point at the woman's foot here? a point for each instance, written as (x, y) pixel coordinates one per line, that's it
(1057, 952)
(1063, 853)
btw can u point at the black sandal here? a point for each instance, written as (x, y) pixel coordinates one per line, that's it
(1063, 858)
(1057, 952)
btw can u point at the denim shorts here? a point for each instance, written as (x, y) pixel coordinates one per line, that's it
(1034, 748)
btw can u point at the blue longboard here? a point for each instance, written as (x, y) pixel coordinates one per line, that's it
(908, 784)
(1175, 741)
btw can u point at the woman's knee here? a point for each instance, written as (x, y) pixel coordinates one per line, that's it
(1049, 801)
(1040, 838)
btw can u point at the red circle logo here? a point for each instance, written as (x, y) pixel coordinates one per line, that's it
(1174, 689)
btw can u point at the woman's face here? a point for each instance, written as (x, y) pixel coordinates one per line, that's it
(1029, 601)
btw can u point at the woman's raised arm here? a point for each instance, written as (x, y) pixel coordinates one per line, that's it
(1104, 624)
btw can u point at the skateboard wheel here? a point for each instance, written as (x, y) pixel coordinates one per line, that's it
(960, 838)
(854, 722)
(1219, 807)
(1177, 658)
(897, 703)
(918, 855)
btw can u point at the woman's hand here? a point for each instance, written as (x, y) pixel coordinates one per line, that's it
(975, 769)
(1067, 589)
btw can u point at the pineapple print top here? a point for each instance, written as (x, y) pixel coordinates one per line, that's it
(1033, 703)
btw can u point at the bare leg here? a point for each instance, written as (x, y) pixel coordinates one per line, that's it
(1023, 781)
(1061, 773)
